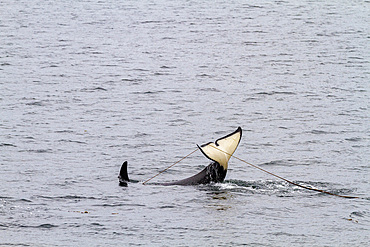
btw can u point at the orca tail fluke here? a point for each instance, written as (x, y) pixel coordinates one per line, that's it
(123, 176)
(222, 149)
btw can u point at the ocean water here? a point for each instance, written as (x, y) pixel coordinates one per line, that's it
(86, 85)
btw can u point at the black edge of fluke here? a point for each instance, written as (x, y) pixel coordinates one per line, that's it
(239, 129)
(123, 176)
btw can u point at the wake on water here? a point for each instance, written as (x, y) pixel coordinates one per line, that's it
(278, 188)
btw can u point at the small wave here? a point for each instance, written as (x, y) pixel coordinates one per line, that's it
(47, 226)
(69, 197)
(278, 163)
(167, 67)
(141, 134)
(211, 89)
(321, 132)
(204, 75)
(3, 226)
(24, 200)
(7, 145)
(131, 80)
(161, 73)
(149, 92)
(251, 99)
(358, 214)
(141, 69)
(251, 43)
(276, 93)
(167, 206)
(36, 103)
(286, 234)
(5, 197)
(150, 22)
(119, 205)
(93, 89)
(64, 131)
(42, 226)
(15, 244)
(79, 142)
(37, 150)
(96, 224)
(354, 139)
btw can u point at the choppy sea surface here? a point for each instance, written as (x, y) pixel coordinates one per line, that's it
(86, 85)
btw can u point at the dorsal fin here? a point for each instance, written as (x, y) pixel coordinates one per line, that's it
(123, 172)
(226, 144)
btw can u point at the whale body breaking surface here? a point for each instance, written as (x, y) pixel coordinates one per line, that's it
(219, 152)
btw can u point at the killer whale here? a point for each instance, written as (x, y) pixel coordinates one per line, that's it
(219, 152)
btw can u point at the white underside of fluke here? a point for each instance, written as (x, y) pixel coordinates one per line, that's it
(222, 149)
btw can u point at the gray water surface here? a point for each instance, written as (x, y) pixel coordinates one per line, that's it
(86, 85)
